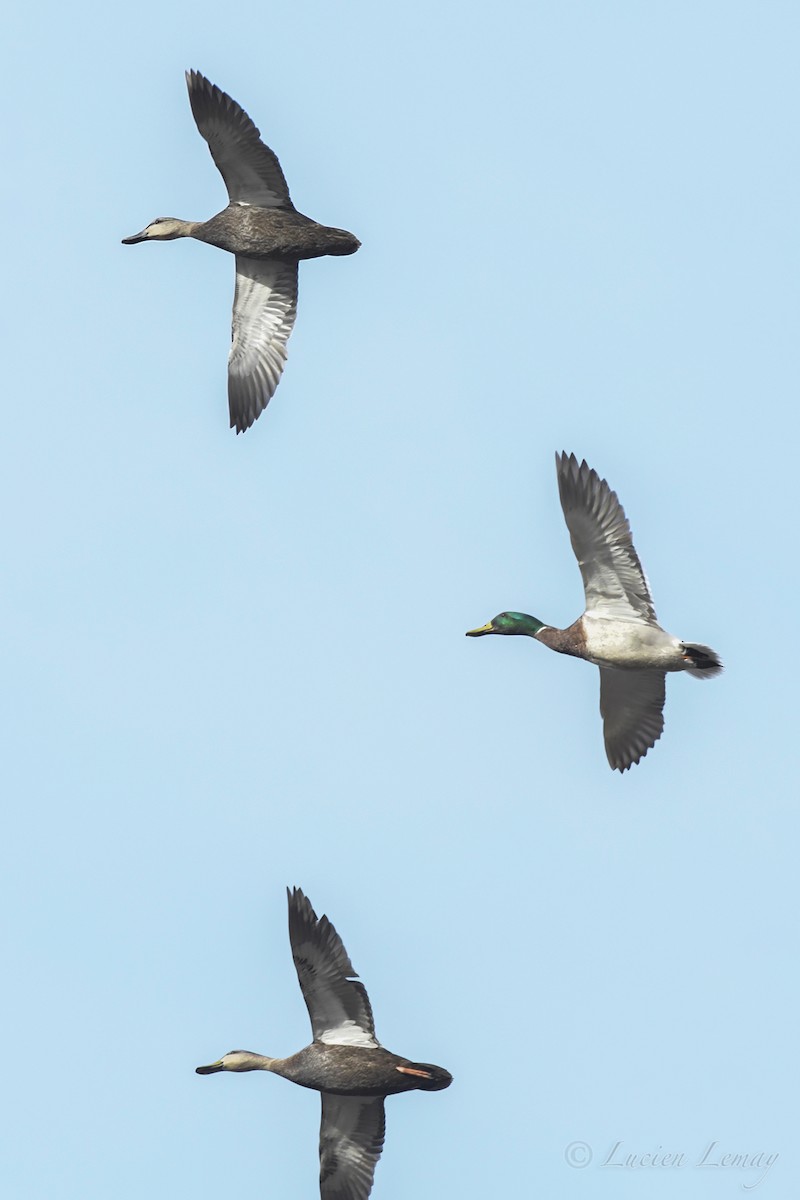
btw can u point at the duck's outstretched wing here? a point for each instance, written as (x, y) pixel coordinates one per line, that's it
(350, 1143)
(338, 1006)
(264, 309)
(613, 579)
(251, 171)
(631, 705)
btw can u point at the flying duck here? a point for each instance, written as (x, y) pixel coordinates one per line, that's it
(345, 1061)
(267, 234)
(618, 632)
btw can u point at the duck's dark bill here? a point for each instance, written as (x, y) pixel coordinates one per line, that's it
(209, 1070)
(137, 237)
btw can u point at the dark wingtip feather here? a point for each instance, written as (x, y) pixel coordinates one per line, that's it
(569, 469)
(241, 422)
(197, 82)
(633, 752)
(622, 765)
(303, 920)
(299, 902)
(205, 98)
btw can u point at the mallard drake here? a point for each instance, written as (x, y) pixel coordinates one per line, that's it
(267, 234)
(618, 631)
(345, 1061)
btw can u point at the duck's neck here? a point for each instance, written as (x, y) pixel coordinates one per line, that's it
(565, 641)
(247, 1060)
(528, 626)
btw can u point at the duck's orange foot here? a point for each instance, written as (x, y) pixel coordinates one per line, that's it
(413, 1071)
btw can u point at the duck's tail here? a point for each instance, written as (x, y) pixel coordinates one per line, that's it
(427, 1077)
(701, 661)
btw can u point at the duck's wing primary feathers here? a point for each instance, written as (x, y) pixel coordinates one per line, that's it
(631, 704)
(264, 309)
(251, 171)
(350, 1143)
(338, 1006)
(615, 584)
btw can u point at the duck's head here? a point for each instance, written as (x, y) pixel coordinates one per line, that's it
(163, 229)
(236, 1060)
(509, 623)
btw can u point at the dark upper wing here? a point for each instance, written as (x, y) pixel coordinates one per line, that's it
(613, 579)
(631, 704)
(251, 171)
(350, 1143)
(264, 309)
(339, 1007)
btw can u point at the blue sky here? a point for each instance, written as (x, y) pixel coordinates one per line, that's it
(233, 664)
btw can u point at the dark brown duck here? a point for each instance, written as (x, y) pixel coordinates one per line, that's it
(267, 234)
(345, 1061)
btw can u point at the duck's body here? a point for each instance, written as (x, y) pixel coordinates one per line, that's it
(620, 645)
(264, 233)
(618, 632)
(347, 1070)
(267, 234)
(345, 1062)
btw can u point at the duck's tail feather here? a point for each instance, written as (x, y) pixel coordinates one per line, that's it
(701, 661)
(431, 1078)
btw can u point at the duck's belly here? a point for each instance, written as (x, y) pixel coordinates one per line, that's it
(631, 646)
